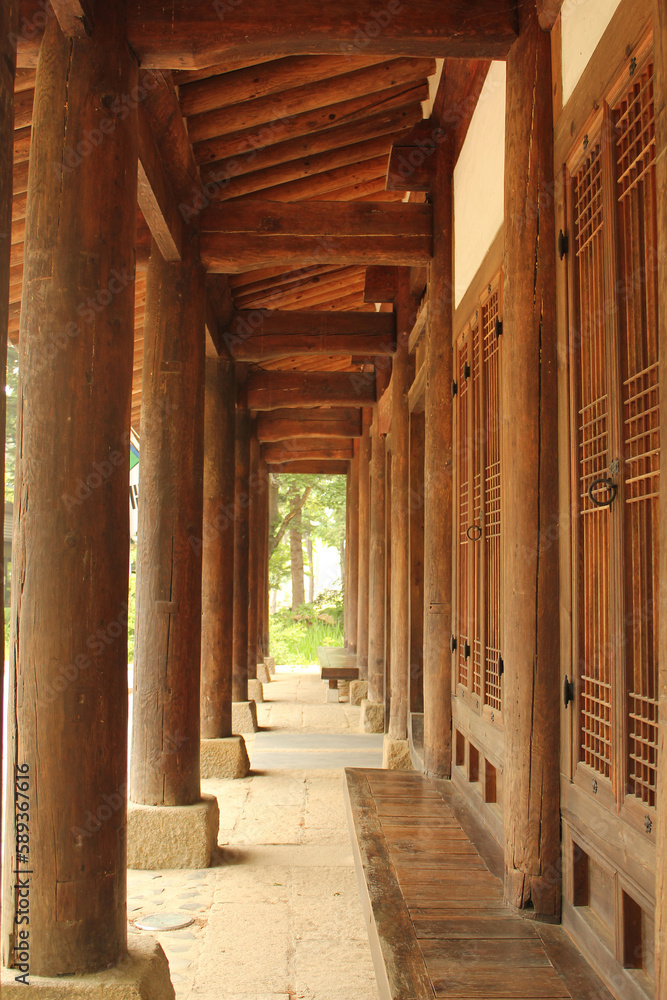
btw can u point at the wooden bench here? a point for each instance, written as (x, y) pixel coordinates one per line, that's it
(336, 665)
(434, 911)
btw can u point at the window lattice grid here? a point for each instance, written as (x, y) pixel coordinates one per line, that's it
(477, 514)
(463, 461)
(492, 484)
(594, 578)
(638, 301)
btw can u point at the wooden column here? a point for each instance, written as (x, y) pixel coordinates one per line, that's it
(364, 527)
(67, 716)
(352, 544)
(660, 96)
(400, 520)
(346, 571)
(529, 448)
(438, 481)
(376, 572)
(9, 19)
(417, 562)
(266, 645)
(218, 550)
(254, 551)
(165, 723)
(241, 538)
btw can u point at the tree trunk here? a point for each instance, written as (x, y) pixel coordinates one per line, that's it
(311, 570)
(296, 561)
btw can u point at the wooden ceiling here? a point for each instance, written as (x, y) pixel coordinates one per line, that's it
(248, 127)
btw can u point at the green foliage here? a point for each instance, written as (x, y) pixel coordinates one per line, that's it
(295, 635)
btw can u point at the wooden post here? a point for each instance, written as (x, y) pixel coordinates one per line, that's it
(241, 537)
(400, 520)
(364, 527)
(417, 562)
(352, 545)
(254, 551)
(529, 443)
(660, 96)
(165, 725)
(67, 716)
(376, 574)
(438, 481)
(266, 645)
(9, 19)
(218, 550)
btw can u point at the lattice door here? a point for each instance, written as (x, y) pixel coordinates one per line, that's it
(635, 126)
(464, 473)
(490, 417)
(618, 446)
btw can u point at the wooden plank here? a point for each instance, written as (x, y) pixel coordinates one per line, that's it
(284, 161)
(473, 927)
(399, 966)
(249, 83)
(326, 220)
(245, 140)
(315, 422)
(276, 390)
(75, 17)
(279, 454)
(459, 981)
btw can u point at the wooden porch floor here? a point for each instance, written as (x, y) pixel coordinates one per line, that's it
(434, 909)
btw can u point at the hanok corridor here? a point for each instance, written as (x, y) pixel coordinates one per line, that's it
(418, 243)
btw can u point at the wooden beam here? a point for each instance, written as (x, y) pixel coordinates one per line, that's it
(154, 195)
(330, 220)
(275, 390)
(256, 335)
(75, 17)
(279, 454)
(313, 188)
(547, 12)
(321, 468)
(381, 284)
(219, 310)
(227, 254)
(460, 85)
(193, 35)
(335, 422)
(411, 164)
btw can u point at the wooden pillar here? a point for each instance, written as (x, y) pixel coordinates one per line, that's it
(254, 551)
(529, 448)
(165, 724)
(417, 562)
(352, 546)
(9, 18)
(400, 520)
(67, 716)
(266, 645)
(364, 526)
(218, 550)
(376, 574)
(438, 481)
(346, 571)
(262, 579)
(660, 96)
(241, 538)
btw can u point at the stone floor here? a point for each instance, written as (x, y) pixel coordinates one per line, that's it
(279, 913)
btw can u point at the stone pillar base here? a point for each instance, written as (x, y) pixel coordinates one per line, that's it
(172, 836)
(271, 664)
(263, 674)
(244, 717)
(358, 691)
(142, 975)
(255, 690)
(225, 757)
(396, 754)
(372, 717)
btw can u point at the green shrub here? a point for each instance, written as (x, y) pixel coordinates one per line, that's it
(295, 635)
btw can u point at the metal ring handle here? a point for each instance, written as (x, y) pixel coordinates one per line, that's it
(476, 528)
(612, 488)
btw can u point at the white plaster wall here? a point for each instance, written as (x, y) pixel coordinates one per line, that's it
(479, 181)
(583, 23)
